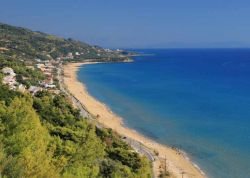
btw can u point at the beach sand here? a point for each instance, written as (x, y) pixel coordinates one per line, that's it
(177, 163)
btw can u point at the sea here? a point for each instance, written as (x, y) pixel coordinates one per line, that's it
(197, 100)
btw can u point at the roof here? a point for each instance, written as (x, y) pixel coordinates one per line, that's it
(34, 89)
(8, 70)
(9, 80)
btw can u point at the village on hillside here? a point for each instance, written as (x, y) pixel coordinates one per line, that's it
(46, 67)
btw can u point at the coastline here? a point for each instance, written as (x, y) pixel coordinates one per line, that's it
(177, 161)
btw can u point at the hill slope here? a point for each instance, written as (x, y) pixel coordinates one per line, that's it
(26, 44)
(42, 134)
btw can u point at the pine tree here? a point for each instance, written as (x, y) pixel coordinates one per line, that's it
(25, 142)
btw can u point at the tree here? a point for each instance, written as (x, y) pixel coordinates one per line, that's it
(26, 142)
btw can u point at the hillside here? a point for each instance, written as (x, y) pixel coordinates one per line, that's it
(25, 44)
(41, 133)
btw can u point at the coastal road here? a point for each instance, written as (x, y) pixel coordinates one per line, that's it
(140, 148)
(75, 101)
(137, 146)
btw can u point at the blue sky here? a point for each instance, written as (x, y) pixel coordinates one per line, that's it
(136, 23)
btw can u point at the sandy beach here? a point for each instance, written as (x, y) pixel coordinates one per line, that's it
(177, 163)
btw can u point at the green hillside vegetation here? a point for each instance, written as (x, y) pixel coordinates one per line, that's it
(25, 44)
(44, 136)
(24, 74)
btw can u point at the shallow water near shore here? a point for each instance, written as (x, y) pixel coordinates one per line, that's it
(195, 99)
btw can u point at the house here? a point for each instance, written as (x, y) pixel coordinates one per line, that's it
(3, 49)
(8, 71)
(34, 89)
(119, 50)
(70, 56)
(49, 86)
(48, 64)
(48, 83)
(108, 50)
(49, 80)
(47, 73)
(9, 80)
(48, 69)
(39, 65)
(21, 88)
(38, 60)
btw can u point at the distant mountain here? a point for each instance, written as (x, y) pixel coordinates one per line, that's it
(26, 44)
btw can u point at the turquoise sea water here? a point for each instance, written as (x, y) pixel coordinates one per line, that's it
(194, 99)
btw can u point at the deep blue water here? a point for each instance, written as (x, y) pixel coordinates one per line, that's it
(195, 99)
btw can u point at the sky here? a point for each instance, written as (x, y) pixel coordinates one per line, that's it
(136, 23)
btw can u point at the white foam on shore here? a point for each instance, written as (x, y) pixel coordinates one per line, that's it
(185, 155)
(177, 150)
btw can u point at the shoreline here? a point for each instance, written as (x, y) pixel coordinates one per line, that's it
(177, 160)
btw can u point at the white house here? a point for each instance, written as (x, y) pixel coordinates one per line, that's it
(21, 88)
(8, 71)
(39, 66)
(49, 86)
(34, 89)
(9, 80)
(38, 60)
(70, 56)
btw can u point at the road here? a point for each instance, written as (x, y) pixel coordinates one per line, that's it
(137, 146)
(140, 148)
